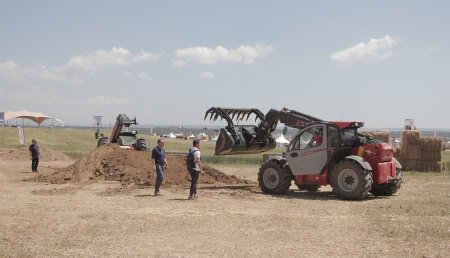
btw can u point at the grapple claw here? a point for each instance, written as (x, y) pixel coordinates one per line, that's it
(239, 139)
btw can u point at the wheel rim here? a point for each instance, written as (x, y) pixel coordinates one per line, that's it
(271, 178)
(347, 180)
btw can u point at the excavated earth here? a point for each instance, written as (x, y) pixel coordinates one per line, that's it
(109, 162)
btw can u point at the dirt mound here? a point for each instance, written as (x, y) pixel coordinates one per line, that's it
(47, 154)
(109, 162)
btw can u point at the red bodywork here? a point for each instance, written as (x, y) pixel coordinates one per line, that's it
(379, 156)
(342, 125)
(127, 147)
(312, 179)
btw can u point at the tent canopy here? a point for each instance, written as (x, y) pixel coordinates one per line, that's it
(36, 117)
(282, 139)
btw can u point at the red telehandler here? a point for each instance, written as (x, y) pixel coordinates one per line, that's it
(321, 153)
(126, 140)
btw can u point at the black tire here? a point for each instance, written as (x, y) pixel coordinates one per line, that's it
(142, 145)
(388, 189)
(310, 188)
(272, 179)
(102, 141)
(350, 181)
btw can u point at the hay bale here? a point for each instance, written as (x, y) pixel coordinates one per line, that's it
(429, 155)
(443, 165)
(409, 165)
(397, 153)
(411, 137)
(411, 152)
(431, 143)
(384, 136)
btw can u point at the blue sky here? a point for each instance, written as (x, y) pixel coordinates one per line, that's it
(167, 62)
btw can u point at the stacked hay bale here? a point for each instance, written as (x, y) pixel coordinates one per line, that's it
(421, 153)
(384, 136)
(431, 154)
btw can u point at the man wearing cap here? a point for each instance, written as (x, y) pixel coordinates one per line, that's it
(34, 155)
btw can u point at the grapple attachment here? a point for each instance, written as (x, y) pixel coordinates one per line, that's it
(240, 139)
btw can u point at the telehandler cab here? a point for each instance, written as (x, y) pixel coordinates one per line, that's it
(321, 153)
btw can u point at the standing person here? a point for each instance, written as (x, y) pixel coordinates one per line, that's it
(159, 163)
(195, 170)
(34, 155)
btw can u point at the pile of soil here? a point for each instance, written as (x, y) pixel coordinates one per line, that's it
(109, 162)
(47, 154)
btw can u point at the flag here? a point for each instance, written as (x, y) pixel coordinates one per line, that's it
(2, 117)
(21, 136)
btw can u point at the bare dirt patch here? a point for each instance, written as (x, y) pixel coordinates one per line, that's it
(47, 154)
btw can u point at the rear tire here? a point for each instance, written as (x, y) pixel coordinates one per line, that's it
(102, 141)
(273, 180)
(350, 181)
(388, 189)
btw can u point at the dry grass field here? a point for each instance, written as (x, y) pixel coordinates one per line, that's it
(108, 219)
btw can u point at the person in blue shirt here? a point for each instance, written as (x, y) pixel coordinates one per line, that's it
(159, 164)
(34, 155)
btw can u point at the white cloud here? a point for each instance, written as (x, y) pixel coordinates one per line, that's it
(77, 67)
(145, 56)
(104, 101)
(144, 76)
(362, 53)
(205, 55)
(207, 75)
(179, 63)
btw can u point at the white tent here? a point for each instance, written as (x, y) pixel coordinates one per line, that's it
(215, 138)
(281, 141)
(36, 117)
(172, 136)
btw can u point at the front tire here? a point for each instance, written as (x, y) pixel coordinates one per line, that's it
(273, 180)
(142, 145)
(102, 141)
(350, 181)
(388, 189)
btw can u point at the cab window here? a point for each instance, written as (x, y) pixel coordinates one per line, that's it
(348, 137)
(312, 137)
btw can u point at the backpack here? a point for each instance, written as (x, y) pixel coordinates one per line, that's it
(190, 160)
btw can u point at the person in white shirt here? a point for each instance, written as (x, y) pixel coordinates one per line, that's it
(196, 170)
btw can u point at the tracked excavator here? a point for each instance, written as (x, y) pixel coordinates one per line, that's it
(321, 153)
(126, 140)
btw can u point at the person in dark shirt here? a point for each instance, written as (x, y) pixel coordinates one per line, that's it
(159, 164)
(34, 155)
